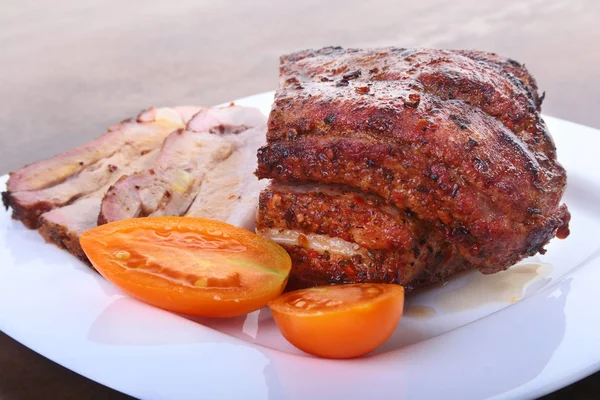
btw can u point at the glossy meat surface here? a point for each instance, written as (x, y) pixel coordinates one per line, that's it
(453, 137)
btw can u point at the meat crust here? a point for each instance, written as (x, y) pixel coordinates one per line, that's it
(386, 244)
(454, 137)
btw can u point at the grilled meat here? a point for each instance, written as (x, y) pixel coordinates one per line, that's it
(229, 191)
(337, 234)
(198, 171)
(61, 180)
(63, 226)
(168, 161)
(452, 137)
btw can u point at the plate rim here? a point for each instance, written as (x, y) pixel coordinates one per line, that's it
(541, 390)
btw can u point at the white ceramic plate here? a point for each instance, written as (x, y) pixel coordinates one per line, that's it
(516, 334)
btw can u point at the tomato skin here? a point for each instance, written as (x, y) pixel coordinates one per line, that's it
(350, 330)
(191, 266)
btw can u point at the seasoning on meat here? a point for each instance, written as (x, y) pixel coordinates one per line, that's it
(453, 137)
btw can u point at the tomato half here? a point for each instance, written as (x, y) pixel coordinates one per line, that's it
(188, 265)
(342, 321)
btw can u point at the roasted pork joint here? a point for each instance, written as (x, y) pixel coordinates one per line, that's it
(452, 138)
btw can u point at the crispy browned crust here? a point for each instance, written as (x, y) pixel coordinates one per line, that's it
(454, 138)
(101, 218)
(61, 237)
(512, 69)
(347, 214)
(398, 249)
(5, 200)
(310, 268)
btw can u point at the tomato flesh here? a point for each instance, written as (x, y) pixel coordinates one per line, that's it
(187, 265)
(341, 321)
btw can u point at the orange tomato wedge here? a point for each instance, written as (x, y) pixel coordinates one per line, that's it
(188, 265)
(341, 321)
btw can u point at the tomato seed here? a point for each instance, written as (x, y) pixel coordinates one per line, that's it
(122, 255)
(300, 303)
(202, 282)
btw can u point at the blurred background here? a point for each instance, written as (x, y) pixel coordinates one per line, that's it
(69, 69)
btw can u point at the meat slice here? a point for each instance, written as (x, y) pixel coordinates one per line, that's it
(155, 164)
(168, 186)
(229, 192)
(452, 137)
(209, 164)
(64, 225)
(43, 186)
(336, 234)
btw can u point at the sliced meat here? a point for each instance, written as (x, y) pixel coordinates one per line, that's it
(63, 226)
(336, 234)
(209, 164)
(43, 186)
(232, 119)
(453, 137)
(170, 185)
(229, 192)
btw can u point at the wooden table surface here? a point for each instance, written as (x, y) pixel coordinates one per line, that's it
(70, 69)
